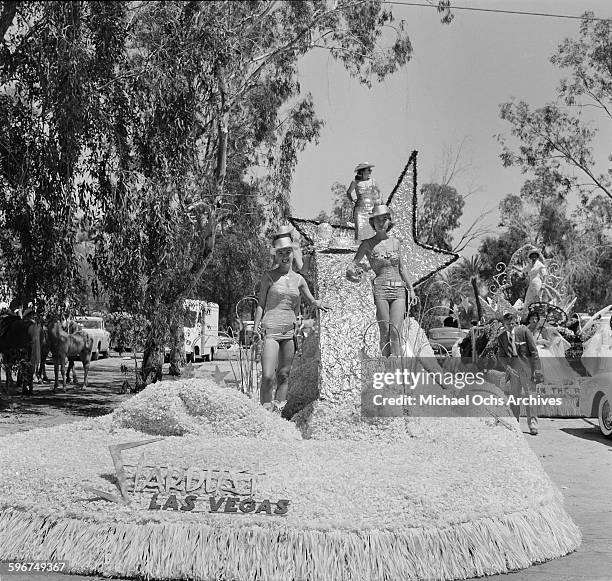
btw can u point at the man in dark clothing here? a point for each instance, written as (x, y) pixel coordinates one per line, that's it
(516, 349)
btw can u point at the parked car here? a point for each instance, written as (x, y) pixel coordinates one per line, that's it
(227, 348)
(442, 339)
(247, 331)
(94, 327)
(595, 401)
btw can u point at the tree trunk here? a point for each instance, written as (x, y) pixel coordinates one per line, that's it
(177, 349)
(152, 363)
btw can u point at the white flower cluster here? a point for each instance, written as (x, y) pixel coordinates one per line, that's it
(200, 406)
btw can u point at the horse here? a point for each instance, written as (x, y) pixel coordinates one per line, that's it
(19, 335)
(45, 348)
(78, 345)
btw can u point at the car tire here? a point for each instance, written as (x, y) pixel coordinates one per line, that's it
(604, 416)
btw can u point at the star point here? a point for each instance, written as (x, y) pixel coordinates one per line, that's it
(422, 260)
(219, 376)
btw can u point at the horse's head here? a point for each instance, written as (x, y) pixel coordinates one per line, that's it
(54, 326)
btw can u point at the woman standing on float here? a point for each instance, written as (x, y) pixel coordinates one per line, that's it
(391, 284)
(536, 272)
(367, 196)
(279, 305)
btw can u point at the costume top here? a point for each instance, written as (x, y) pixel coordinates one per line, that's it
(367, 192)
(537, 270)
(385, 260)
(282, 303)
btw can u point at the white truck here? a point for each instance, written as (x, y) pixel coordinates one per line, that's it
(201, 329)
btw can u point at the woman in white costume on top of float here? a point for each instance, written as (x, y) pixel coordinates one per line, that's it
(367, 196)
(536, 274)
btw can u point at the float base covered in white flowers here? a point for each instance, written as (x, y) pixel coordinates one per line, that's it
(414, 502)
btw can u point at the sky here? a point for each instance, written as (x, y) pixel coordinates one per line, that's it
(446, 97)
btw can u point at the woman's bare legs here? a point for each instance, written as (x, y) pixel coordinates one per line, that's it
(269, 360)
(276, 361)
(382, 317)
(396, 318)
(285, 360)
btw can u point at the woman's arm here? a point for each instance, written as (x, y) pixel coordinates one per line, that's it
(263, 295)
(307, 253)
(305, 292)
(298, 259)
(361, 252)
(406, 278)
(350, 190)
(543, 271)
(376, 192)
(355, 269)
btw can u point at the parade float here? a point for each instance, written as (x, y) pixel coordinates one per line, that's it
(563, 375)
(192, 480)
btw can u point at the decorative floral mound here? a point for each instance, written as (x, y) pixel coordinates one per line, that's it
(322, 421)
(199, 406)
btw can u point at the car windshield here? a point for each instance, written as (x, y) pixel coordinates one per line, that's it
(90, 324)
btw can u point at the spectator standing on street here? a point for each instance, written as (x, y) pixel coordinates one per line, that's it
(517, 350)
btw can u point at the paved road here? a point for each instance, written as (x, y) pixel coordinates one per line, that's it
(579, 461)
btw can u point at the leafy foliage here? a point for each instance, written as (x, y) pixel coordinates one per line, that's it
(54, 57)
(556, 149)
(440, 210)
(554, 136)
(240, 257)
(342, 209)
(126, 331)
(139, 124)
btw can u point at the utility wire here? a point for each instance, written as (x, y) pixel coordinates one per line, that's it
(497, 11)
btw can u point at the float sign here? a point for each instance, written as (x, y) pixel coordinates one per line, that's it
(190, 489)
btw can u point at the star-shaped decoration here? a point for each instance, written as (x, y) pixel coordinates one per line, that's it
(422, 261)
(188, 371)
(219, 376)
(348, 332)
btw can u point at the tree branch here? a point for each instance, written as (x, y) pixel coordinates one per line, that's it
(568, 156)
(266, 58)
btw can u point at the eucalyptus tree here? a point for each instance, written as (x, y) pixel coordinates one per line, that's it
(556, 136)
(554, 145)
(155, 125)
(54, 59)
